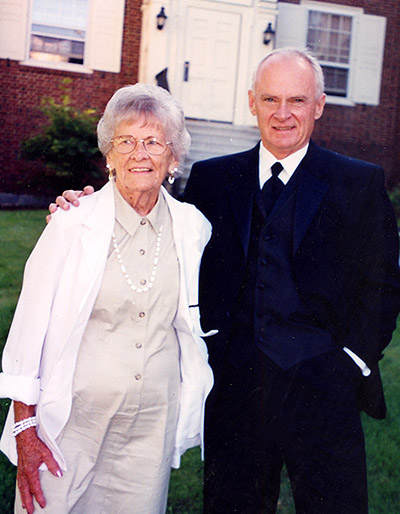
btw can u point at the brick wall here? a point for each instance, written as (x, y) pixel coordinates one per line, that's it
(368, 132)
(22, 87)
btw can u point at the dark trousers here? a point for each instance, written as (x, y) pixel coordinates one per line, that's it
(261, 418)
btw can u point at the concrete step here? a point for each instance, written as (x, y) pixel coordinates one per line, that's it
(210, 139)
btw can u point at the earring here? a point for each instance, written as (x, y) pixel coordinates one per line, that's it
(110, 172)
(171, 176)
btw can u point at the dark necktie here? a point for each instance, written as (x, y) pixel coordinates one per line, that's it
(272, 188)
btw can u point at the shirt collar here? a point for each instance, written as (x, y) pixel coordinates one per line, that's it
(130, 220)
(289, 163)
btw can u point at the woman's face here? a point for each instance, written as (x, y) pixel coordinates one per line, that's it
(139, 172)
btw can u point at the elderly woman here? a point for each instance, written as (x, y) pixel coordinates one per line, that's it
(104, 361)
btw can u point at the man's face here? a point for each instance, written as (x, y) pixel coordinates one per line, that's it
(285, 103)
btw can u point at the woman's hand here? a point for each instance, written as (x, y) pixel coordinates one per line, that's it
(32, 452)
(68, 197)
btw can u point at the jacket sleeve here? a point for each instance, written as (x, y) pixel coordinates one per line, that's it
(197, 190)
(20, 379)
(377, 301)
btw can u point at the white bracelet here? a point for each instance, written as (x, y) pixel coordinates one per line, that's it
(22, 425)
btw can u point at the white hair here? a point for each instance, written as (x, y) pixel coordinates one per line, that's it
(148, 102)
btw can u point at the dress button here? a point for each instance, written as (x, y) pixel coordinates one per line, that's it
(143, 282)
(143, 222)
(138, 345)
(138, 376)
(260, 286)
(142, 252)
(142, 314)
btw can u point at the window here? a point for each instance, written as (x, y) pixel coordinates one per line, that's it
(329, 37)
(58, 31)
(74, 35)
(348, 44)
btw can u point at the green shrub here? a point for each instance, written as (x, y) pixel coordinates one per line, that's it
(66, 147)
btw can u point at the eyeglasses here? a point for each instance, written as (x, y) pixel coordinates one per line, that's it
(127, 144)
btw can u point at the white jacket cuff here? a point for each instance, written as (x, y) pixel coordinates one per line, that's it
(20, 388)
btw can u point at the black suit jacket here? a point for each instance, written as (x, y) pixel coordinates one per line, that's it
(345, 251)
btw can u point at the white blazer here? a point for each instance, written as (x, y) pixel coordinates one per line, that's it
(61, 281)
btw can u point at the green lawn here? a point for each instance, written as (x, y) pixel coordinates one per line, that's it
(18, 233)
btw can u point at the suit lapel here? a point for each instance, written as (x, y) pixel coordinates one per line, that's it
(242, 185)
(311, 189)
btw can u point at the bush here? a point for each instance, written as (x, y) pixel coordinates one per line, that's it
(66, 148)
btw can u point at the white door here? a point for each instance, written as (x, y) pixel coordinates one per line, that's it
(211, 58)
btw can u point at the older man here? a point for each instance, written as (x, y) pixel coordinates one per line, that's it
(301, 278)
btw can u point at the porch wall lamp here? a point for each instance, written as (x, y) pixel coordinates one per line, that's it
(268, 33)
(161, 17)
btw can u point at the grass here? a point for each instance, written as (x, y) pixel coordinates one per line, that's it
(383, 439)
(18, 232)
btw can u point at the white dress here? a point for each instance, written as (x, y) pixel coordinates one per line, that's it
(120, 434)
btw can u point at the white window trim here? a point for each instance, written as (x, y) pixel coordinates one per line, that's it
(62, 66)
(346, 10)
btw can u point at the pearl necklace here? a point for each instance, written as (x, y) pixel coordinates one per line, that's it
(153, 271)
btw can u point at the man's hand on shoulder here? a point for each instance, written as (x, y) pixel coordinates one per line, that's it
(68, 197)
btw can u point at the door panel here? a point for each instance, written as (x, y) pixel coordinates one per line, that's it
(211, 51)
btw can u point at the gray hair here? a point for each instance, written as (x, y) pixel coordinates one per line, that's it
(301, 53)
(149, 102)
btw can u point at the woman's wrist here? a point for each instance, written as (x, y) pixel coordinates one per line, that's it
(24, 416)
(22, 411)
(24, 424)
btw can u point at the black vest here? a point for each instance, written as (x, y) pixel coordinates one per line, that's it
(269, 309)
